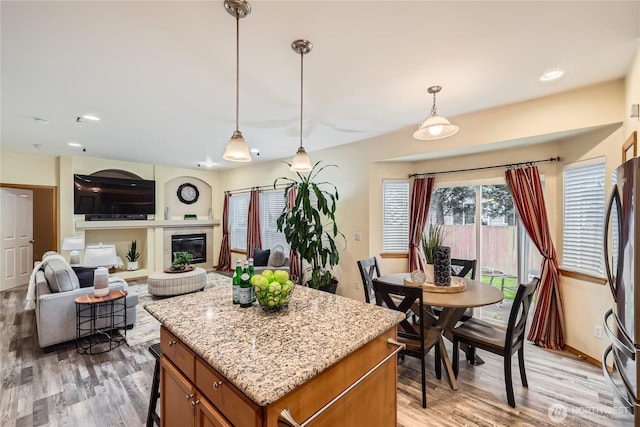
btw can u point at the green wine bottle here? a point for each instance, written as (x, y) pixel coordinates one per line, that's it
(245, 288)
(236, 282)
(251, 272)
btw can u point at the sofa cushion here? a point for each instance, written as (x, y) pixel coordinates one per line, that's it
(60, 276)
(261, 257)
(85, 276)
(277, 256)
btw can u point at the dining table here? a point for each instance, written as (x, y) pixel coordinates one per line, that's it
(454, 304)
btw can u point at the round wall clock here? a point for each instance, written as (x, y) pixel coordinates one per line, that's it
(188, 193)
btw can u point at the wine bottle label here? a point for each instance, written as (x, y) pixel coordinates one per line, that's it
(245, 295)
(236, 294)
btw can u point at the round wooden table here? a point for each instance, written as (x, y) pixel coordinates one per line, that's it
(476, 294)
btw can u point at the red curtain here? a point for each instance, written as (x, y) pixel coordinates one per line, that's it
(294, 264)
(418, 210)
(253, 223)
(224, 259)
(547, 328)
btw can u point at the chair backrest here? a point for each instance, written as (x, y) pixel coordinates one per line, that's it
(403, 299)
(369, 270)
(462, 267)
(518, 316)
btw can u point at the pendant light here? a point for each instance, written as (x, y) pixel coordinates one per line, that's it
(435, 126)
(301, 161)
(237, 149)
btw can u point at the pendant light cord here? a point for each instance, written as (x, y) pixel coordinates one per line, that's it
(301, 86)
(433, 107)
(237, 68)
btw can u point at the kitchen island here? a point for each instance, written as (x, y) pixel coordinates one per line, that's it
(223, 365)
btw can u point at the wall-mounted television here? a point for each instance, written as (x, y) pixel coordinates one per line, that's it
(100, 197)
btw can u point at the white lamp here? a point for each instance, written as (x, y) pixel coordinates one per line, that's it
(73, 244)
(435, 126)
(100, 255)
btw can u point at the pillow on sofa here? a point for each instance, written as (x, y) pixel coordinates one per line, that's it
(277, 257)
(60, 276)
(85, 276)
(261, 257)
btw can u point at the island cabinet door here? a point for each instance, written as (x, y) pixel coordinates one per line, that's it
(177, 394)
(371, 402)
(208, 416)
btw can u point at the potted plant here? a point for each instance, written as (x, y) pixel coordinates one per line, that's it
(309, 225)
(181, 261)
(132, 256)
(434, 236)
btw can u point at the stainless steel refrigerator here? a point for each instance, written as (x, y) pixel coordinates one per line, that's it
(622, 326)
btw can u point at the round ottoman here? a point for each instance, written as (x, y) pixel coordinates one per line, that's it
(167, 284)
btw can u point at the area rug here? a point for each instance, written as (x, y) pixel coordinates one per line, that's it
(146, 330)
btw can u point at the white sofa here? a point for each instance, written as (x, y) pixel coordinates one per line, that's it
(57, 286)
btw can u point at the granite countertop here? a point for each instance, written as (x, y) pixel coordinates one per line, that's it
(264, 354)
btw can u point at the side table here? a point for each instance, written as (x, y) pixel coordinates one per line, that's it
(98, 320)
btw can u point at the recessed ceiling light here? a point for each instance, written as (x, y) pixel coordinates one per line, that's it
(91, 117)
(551, 75)
(74, 144)
(208, 164)
(38, 146)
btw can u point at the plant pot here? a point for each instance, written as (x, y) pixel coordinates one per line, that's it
(332, 288)
(428, 271)
(132, 265)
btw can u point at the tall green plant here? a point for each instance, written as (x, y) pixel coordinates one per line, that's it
(434, 236)
(309, 225)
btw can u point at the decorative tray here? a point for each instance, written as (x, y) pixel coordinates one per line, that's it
(186, 270)
(457, 285)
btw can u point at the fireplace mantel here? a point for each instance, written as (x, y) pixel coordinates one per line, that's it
(103, 225)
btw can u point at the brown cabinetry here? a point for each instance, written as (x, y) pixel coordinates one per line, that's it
(194, 393)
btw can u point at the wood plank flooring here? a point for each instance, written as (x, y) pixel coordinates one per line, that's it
(63, 388)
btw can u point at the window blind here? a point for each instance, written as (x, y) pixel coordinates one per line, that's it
(395, 216)
(238, 216)
(583, 216)
(271, 205)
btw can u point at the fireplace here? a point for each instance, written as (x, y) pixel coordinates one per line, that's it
(195, 244)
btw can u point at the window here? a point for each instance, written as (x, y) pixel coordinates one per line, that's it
(271, 205)
(395, 216)
(583, 213)
(238, 215)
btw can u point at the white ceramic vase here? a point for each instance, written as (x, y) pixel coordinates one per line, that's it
(133, 265)
(428, 271)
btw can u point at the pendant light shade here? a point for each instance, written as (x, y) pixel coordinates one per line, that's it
(301, 161)
(435, 126)
(237, 149)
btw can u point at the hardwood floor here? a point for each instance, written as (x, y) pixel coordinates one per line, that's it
(63, 388)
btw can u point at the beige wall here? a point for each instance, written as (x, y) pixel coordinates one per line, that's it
(363, 164)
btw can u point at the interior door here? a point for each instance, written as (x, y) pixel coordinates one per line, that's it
(16, 244)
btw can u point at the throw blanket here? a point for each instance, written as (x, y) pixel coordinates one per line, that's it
(31, 290)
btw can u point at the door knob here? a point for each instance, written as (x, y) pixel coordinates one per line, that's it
(32, 241)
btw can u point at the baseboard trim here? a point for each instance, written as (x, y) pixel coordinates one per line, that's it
(583, 356)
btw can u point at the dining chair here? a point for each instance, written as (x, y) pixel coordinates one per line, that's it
(419, 338)
(477, 333)
(369, 270)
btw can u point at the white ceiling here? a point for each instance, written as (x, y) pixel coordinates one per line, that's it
(161, 74)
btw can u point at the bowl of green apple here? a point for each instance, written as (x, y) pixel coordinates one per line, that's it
(273, 289)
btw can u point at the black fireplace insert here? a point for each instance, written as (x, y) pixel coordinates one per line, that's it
(195, 244)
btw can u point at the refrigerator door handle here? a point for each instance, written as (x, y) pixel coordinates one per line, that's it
(623, 344)
(614, 198)
(625, 400)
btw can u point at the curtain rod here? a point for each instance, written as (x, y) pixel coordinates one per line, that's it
(258, 187)
(506, 165)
